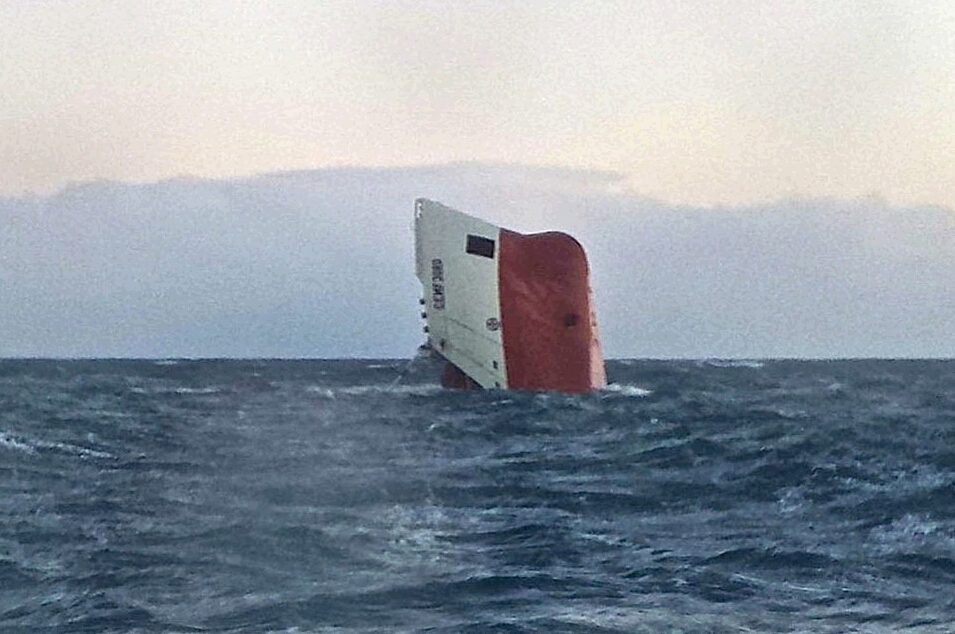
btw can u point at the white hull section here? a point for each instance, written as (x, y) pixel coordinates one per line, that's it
(457, 262)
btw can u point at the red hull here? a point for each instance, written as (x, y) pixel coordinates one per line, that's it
(454, 378)
(546, 318)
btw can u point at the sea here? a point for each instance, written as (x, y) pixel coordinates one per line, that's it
(354, 496)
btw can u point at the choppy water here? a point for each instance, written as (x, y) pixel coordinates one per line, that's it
(320, 496)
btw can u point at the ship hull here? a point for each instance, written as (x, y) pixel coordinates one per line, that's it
(505, 309)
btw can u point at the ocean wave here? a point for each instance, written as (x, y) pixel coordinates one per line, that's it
(626, 390)
(427, 389)
(734, 363)
(33, 446)
(326, 496)
(197, 390)
(179, 390)
(11, 442)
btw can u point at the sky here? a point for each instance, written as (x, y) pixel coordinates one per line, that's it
(751, 178)
(699, 102)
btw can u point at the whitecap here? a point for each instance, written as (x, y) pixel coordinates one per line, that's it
(907, 533)
(627, 390)
(320, 390)
(83, 452)
(8, 441)
(426, 389)
(734, 363)
(32, 446)
(197, 390)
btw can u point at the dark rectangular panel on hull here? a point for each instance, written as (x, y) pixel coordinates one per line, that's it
(478, 245)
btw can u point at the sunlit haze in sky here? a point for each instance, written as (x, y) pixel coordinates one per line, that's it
(693, 101)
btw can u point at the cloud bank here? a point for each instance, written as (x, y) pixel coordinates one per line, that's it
(320, 264)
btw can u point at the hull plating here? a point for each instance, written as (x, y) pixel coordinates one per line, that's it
(505, 309)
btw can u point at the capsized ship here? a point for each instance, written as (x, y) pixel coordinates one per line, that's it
(504, 309)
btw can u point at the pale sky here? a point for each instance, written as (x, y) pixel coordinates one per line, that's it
(695, 101)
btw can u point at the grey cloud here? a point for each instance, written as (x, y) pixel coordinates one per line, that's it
(319, 264)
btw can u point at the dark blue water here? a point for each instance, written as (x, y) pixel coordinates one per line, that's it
(320, 496)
